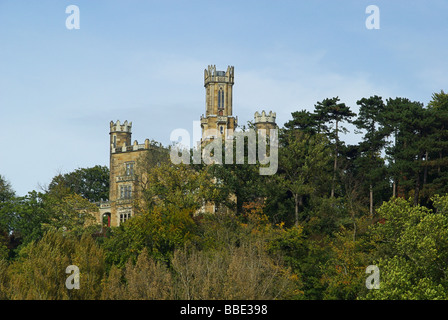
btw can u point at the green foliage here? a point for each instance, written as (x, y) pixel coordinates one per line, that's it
(159, 231)
(304, 121)
(25, 219)
(307, 232)
(370, 115)
(26, 216)
(330, 115)
(343, 273)
(6, 191)
(176, 187)
(72, 212)
(400, 281)
(6, 196)
(39, 271)
(90, 183)
(302, 159)
(412, 250)
(237, 183)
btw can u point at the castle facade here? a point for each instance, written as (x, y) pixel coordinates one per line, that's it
(125, 186)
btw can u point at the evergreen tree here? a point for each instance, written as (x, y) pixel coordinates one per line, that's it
(330, 114)
(302, 159)
(436, 165)
(369, 119)
(304, 121)
(410, 124)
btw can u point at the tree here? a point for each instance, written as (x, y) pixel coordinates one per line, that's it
(72, 212)
(436, 164)
(144, 279)
(237, 265)
(236, 184)
(39, 273)
(304, 121)
(7, 195)
(160, 231)
(344, 271)
(369, 119)
(6, 191)
(239, 181)
(26, 216)
(411, 250)
(4, 279)
(330, 114)
(410, 124)
(90, 183)
(302, 159)
(176, 186)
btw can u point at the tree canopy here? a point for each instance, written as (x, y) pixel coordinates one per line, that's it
(310, 231)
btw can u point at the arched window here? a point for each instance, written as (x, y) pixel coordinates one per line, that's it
(220, 99)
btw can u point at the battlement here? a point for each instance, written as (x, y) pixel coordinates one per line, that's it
(118, 127)
(212, 75)
(134, 147)
(263, 117)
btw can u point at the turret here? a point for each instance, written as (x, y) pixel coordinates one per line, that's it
(218, 95)
(218, 102)
(120, 134)
(265, 121)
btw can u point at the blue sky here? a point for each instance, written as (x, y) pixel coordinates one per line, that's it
(143, 61)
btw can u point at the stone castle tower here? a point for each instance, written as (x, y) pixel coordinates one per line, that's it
(218, 103)
(125, 186)
(124, 182)
(265, 121)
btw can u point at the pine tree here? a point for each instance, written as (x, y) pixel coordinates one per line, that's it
(302, 159)
(330, 114)
(369, 119)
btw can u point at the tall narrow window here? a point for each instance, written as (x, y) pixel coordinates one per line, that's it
(221, 99)
(129, 169)
(115, 141)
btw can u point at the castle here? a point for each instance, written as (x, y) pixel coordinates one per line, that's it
(124, 180)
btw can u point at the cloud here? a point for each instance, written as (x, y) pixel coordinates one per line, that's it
(267, 89)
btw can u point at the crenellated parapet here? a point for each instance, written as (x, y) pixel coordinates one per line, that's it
(134, 147)
(120, 138)
(212, 75)
(264, 117)
(118, 127)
